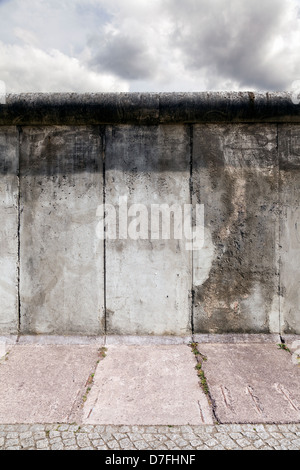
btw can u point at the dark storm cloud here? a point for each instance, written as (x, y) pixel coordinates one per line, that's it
(126, 57)
(214, 41)
(233, 39)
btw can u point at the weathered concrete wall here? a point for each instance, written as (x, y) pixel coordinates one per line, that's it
(62, 156)
(236, 178)
(289, 229)
(9, 201)
(148, 281)
(61, 259)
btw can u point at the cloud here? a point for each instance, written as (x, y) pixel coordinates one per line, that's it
(137, 45)
(29, 69)
(63, 25)
(27, 37)
(254, 43)
(124, 56)
(134, 43)
(201, 43)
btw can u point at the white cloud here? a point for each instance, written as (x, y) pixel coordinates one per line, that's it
(142, 45)
(27, 37)
(200, 44)
(29, 69)
(234, 40)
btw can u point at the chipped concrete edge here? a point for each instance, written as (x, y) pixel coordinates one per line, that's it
(237, 338)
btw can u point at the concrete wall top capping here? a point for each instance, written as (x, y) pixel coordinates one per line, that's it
(148, 108)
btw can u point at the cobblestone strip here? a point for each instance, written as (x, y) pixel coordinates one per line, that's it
(95, 437)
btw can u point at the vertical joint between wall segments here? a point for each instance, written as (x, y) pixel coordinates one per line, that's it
(279, 234)
(191, 137)
(19, 132)
(103, 155)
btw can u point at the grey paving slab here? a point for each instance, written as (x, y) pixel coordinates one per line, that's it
(252, 383)
(149, 385)
(146, 385)
(41, 384)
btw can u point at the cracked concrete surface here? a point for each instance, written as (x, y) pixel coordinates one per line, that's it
(147, 384)
(252, 383)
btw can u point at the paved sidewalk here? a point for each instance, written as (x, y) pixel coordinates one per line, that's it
(162, 438)
(205, 392)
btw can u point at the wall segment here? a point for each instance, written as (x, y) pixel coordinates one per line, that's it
(63, 156)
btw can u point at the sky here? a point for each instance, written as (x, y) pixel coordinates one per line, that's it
(149, 45)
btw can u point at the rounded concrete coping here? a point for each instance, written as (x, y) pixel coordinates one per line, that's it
(148, 108)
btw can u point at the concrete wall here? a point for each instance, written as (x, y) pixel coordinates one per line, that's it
(62, 156)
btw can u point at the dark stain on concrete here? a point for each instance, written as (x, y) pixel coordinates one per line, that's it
(239, 195)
